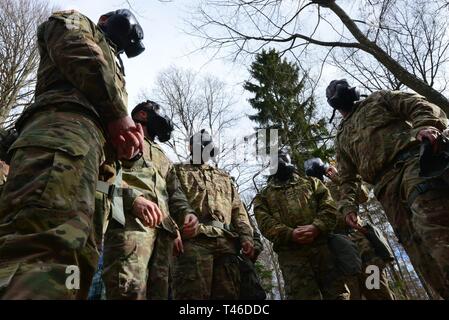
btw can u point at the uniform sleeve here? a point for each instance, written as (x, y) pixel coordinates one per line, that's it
(349, 183)
(270, 227)
(239, 218)
(416, 109)
(85, 65)
(326, 218)
(178, 204)
(258, 245)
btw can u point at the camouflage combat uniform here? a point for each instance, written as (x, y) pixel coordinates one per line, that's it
(47, 206)
(209, 267)
(377, 140)
(309, 270)
(356, 284)
(137, 258)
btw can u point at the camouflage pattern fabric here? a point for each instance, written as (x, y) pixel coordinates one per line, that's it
(281, 207)
(208, 270)
(250, 284)
(334, 188)
(209, 267)
(47, 208)
(131, 271)
(212, 194)
(108, 174)
(126, 257)
(4, 168)
(257, 238)
(78, 69)
(357, 285)
(310, 274)
(161, 267)
(358, 290)
(390, 121)
(421, 229)
(309, 270)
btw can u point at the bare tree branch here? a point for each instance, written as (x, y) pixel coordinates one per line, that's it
(18, 54)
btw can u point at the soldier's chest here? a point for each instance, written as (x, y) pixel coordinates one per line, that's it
(155, 159)
(207, 186)
(292, 198)
(208, 181)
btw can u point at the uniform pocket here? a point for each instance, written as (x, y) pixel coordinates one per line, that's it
(64, 182)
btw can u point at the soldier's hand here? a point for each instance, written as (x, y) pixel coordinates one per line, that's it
(431, 135)
(352, 221)
(148, 212)
(248, 249)
(305, 234)
(178, 247)
(126, 137)
(298, 237)
(190, 228)
(331, 173)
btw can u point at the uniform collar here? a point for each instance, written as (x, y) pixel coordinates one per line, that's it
(354, 110)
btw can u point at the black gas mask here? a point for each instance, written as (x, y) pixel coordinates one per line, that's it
(123, 29)
(315, 167)
(285, 166)
(157, 125)
(341, 96)
(202, 147)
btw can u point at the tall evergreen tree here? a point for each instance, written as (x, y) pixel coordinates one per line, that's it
(283, 102)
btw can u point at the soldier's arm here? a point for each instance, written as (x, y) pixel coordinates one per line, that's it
(416, 109)
(239, 218)
(258, 245)
(326, 218)
(269, 226)
(85, 65)
(179, 206)
(349, 183)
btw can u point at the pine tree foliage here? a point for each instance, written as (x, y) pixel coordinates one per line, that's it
(284, 102)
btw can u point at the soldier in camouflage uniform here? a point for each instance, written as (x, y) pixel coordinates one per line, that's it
(137, 256)
(250, 283)
(209, 267)
(47, 205)
(317, 168)
(296, 214)
(379, 139)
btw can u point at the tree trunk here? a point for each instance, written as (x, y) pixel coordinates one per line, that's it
(407, 78)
